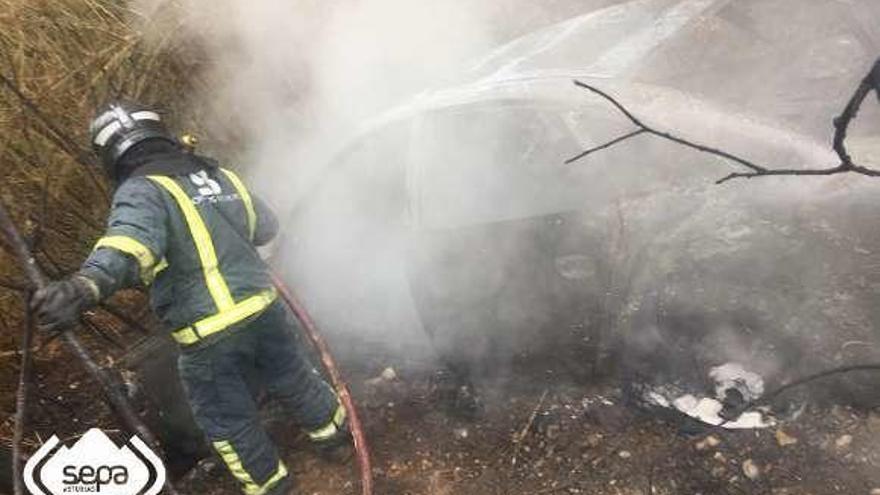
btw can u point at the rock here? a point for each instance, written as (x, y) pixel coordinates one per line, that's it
(593, 440)
(460, 433)
(624, 454)
(458, 474)
(709, 442)
(388, 374)
(874, 422)
(784, 439)
(203, 470)
(750, 469)
(843, 442)
(840, 413)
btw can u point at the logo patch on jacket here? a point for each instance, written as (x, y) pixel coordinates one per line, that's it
(209, 189)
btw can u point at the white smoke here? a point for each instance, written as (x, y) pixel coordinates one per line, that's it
(289, 82)
(286, 83)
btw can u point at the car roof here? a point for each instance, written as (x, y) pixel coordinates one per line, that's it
(787, 61)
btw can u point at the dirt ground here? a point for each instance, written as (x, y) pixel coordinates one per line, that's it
(538, 433)
(542, 430)
(558, 437)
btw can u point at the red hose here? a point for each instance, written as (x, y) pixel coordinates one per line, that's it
(357, 431)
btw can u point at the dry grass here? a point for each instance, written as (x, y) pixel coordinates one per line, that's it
(65, 57)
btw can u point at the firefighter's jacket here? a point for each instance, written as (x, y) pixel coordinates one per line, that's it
(191, 238)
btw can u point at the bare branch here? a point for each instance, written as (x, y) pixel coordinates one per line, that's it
(819, 171)
(75, 211)
(21, 395)
(841, 125)
(606, 145)
(55, 135)
(644, 128)
(117, 400)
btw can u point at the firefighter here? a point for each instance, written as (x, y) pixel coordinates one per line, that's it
(188, 229)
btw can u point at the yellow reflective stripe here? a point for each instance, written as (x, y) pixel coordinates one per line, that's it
(233, 462)
(131, 246)
(161, 266)
(279, 475)
(327, 431)
(221, 321)
(204, 244)
(246, 199)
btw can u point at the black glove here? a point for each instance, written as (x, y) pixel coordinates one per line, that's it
(58, 305)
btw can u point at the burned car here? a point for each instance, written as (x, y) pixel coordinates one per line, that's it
(451, 226)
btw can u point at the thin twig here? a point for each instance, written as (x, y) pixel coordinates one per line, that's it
(15, 353)
(3, 323)
(39, 231)
(606, 145)
(13, 286)
(121, 316)
(804, 172)
(521, 436)
(102, 333)
(869, 83)
(24, 379)
(841, 123)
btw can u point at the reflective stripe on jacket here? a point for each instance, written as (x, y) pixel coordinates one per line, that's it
(192, 238)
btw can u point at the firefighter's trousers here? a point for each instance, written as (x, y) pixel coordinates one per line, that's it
(219, 380)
